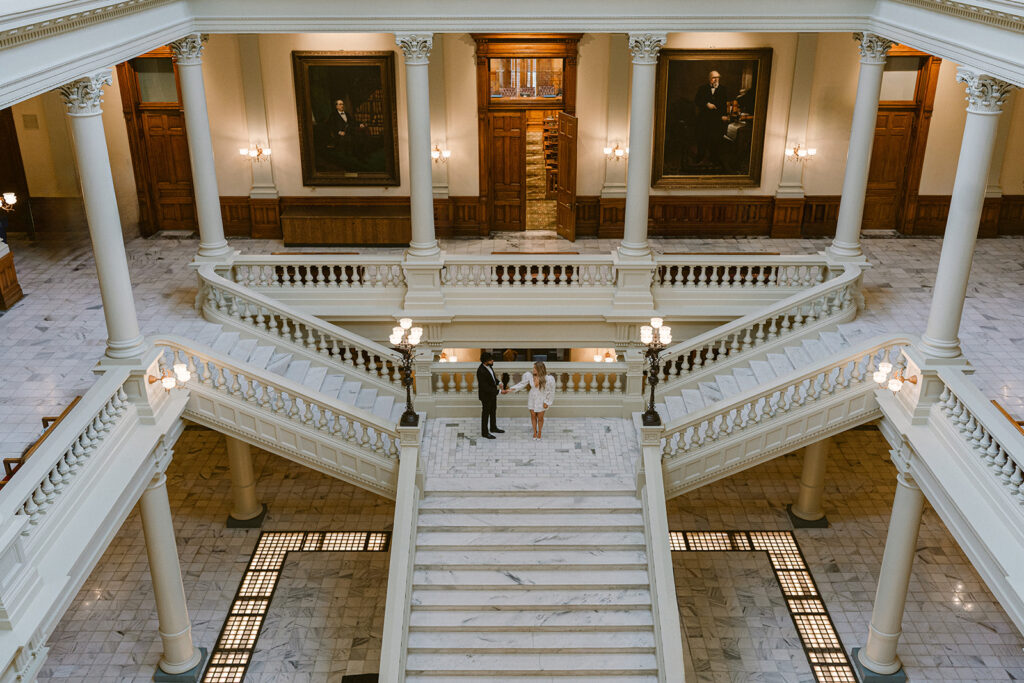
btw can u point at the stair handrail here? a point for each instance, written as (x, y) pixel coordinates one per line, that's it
(66, 451)
(825, 300)
(528, 270)
(318, 270)
(311, 333)
(984, 428)
(606, 378)
(840, 371)
(752, 270)
(281, 396)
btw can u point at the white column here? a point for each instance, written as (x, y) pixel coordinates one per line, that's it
(645, 48)
(873, 50)
(791, 182)
(879, 654)
(188, 55)
(172, 612)
(263, 186)
(812, 482)
(985, 97)
(82, 99)
(244, 504)
(416, 48)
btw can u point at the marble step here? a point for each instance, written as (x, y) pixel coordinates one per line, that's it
(745, 378)
(762, 371)
(349, 391)
(244, 348)
(834, 341)
(797, 356)
(297, 371)
(549, 620)
(727, 384)
(366, 398)
(530, 540)
(431, 677)
(550, 504)
(261, 356)
(710, 392)
(492, 558)
(531, 599)
(549, 663)
(815, 349)
(279, 363)
(575, 642)
(780, 363)
(528, 578)
(675, 407)
(512, 486)
(225, 343)
(332, 384)
(383, 406)
(504, 519)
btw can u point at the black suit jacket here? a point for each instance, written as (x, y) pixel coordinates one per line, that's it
(710, 118)
(486, 386)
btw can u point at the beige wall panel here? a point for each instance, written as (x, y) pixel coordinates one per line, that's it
(116, 130)
(592, 110)
(944, 135)
(46, 149)
(225, 103)
(828, 126)
(1012, 179)
(463, 127)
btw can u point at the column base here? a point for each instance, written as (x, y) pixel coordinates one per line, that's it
(801, 523)
(845, 251)
(191, 676)
(251, 523)
(938, 348)
(866, 675)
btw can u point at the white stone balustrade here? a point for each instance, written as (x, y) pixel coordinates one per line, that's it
(570, 378)
(523, 270)
(749, 409)
(739, 272)
(827, 303)
(317, 272)
(282, 398)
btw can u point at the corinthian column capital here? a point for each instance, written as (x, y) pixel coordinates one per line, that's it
(189, 50)
(985, 94)
(83, 96)
(646, 46)
(873, 47)
(415, 46)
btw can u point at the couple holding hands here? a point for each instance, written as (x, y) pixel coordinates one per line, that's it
(541, 396)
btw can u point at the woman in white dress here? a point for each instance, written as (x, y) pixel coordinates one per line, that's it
(542, 394)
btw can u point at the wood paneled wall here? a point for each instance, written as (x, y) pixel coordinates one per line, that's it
(10, 290)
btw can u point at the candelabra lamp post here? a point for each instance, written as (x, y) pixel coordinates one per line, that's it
(656, 337)
(404, 339)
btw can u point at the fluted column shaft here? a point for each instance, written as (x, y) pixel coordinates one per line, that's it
(873, 51)
(188, 55)
(416, 48)
(985, 96)
(645, 48)
(83, 99)
(172, 612)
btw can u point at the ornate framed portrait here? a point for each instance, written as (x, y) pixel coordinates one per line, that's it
(348, 125)
(710, 112)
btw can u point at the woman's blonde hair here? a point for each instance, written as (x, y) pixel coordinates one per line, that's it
(540, 373)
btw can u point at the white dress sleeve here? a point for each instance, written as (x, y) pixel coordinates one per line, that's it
(523, 383)
(549, 390)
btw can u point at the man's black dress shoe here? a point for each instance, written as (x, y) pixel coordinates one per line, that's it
(489, 436)
(498, 431)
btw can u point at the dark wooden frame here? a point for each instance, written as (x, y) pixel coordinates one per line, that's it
(523, 45)
(764, 70)
(301, 61)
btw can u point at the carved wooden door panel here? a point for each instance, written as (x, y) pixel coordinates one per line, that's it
(508, 170)
(170, 172)
(894, 131)
(566, 195)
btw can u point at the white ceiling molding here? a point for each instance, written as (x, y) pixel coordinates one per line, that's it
(1011, 15)
(45, 27)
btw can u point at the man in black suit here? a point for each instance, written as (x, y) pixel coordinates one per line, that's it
(712, 118)
(487, 391)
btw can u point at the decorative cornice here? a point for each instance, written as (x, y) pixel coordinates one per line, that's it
(188, 51)
(985, 94)
(873, 47)
(45, 28)
(83, 96)
(646, 46)
(415, 46)
(1012, 20)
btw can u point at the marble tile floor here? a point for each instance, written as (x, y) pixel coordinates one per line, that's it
(109, 634)
(730, 603)
(53, 337)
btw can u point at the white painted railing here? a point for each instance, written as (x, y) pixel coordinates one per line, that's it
(281, 397)
(825, 304)
(526, 270)
(571, 379)
(993, 439)
(850, 372)
(737, 271)
(222, 298)
(345, 271)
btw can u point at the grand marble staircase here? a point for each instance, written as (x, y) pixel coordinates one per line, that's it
(530, 582)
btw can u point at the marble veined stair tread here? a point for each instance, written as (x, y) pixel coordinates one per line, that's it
(314, 378)
(745, 378)
(509, 559)
(279, 363)
(383, 406)
(534, 598)
(297, 371)
(244, 348)
(727, 384)
(603, 677)
(512, 486)
(530, 539)
(674, 407)
(710, 392)
(350, 391)
(780, 363)
(577, 620)
(435, 519)
(261, 356)
(366, 398)
(692, 400)
(525, 579)
(578, 642)
(797, 356)
(815, 349)
(332, 385)
(834, 341)
(605, 503)
(540, 663)
(762, 371)
(225, 342)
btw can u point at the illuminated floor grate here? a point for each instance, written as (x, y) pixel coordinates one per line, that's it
(241, 630)
(818, 635)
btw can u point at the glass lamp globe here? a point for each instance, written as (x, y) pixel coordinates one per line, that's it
(657, 322)
(885, 367)
(405, 323)
(646, 334)
(181, 372)
(879, 376)
(167, 382)
(597, 358)
(895, 384)
(665, 335)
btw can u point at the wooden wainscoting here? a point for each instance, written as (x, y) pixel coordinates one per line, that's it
(820, 215)
(10, 290)
(1011, 215)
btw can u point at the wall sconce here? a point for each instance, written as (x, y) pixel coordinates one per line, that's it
(893, 384)
(606, 358)
(8, 200)
(449, 358)
(175, 379)
(616, 153)
(255, 152)
(440, 156)
(801, 154)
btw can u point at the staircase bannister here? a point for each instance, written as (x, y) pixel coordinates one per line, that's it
(528, 270)
(831, 300)
(571, 379)
(843, 371)
(212, 371)
(313, 335)
(739, 271)
(318, 271)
